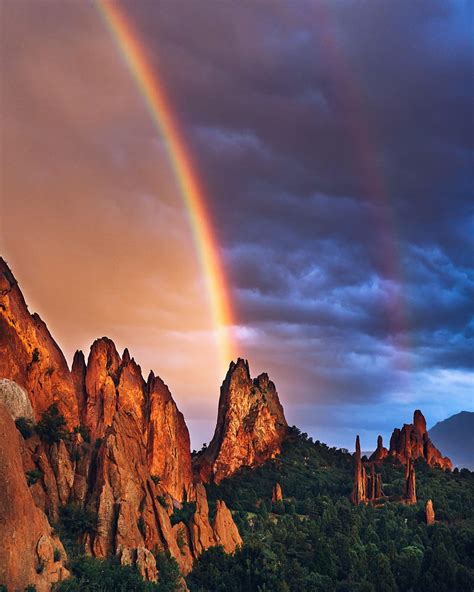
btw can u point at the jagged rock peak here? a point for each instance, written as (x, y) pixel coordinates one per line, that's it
(30, 356)
(78, 361)
(419, 421)
(168, 442)
(413, 442)
(250, 427)
(138, 458)
(359, 488)
(380, 452)
(126, 356)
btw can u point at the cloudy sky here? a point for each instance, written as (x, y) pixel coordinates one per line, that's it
(334, 141)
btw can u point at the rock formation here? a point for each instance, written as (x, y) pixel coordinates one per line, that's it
(29, 553)
(358, 491)
(123, 454)
(168, 441)
(429, 512)
(380, 452)
(373, 484)
(367, 486)
(225, 531)
(277, 494)
(29, 356)
(410, 484)
(250, 426)
(413, 442)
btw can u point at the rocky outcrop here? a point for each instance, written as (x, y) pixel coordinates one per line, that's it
(358, 490)
(412, 442)
(16, 400)
(410, 484)
(202, 534)
(429, 512)
(168, 445)
(123, 454)
(29, 356)
(277, 493)
(226, 532)
(367, 482)
(30, 554)
(250, 426)
(373, 484)
(78, 373)
(380, 452)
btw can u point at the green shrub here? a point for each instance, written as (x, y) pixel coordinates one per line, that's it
(76, 520)
(162, 500)
(56, 555)
(156, 479)
(33, 476)
(184, 514)
(25, 427)
(81, 429)
(52, 425)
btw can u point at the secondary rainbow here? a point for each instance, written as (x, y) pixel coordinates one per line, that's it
(161, 112)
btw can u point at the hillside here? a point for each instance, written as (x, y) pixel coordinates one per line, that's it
(455, 435)
(314, 539)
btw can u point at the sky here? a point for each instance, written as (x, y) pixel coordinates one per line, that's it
(334, 143)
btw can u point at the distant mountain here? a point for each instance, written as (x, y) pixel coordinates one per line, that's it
(455, 436)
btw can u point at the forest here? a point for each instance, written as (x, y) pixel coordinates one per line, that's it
(314, 539)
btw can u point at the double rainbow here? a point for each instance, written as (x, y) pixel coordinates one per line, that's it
(165, 122)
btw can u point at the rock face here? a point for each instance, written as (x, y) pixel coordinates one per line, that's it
(413, 442)
(27, 552)
(358, 490)
(410, 484)
(29, 356)
(277, 494)
(367, 486)
(250, 426)
(127, 456)
(15, 400)
(380, 452)
(429, 512)
(168, 442)
(225, 531)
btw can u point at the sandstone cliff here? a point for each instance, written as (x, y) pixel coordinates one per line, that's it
(29, 355)
(122, 452)
(30, 554)
(380, 452)
(250, 426)
(413, 442)
(367, 485)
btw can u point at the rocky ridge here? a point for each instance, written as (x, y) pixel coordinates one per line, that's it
(250, 428)
(121, 452)
(412, 442)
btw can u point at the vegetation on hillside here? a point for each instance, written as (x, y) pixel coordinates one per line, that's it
(315, 540)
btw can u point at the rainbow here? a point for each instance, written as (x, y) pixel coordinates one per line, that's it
(165, 122)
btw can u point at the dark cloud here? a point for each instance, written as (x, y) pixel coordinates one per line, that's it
(335, 142)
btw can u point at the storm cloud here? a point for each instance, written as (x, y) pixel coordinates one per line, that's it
(335, 142)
